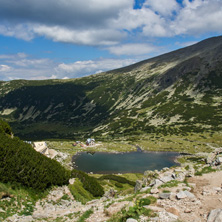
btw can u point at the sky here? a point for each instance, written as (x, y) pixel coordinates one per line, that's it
(62, 39)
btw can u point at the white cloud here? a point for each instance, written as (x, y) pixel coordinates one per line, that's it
(163, 7)
(83, 68)
(132, 49)
(198, 17)
(23, 66)
(85, 37)
(5, 68)
(99, 22)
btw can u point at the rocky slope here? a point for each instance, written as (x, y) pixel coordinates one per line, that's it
(175, 194)
(177, 92)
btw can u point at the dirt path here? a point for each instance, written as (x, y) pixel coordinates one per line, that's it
(208, 192)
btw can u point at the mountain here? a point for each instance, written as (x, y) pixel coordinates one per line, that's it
(178, 92)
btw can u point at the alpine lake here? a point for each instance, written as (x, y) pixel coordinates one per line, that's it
(130, 162)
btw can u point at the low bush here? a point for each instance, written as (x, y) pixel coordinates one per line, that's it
(117, 179)
(20, 163)
(79, 193)
(89, 183)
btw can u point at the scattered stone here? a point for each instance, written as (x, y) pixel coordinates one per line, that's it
(71, 181)
(210, 158)
(187, 210)
(131, 220)
(144, 189)
(184, 194)
(173, 210)
(166, 179)
(138, 186)
(2, 211)
(181, 195)
(110, 194)
(167, 217)
(215, 215)
(189, 194)
(164, 195)
(154, 191)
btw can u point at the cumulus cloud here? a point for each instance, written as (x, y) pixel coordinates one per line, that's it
(23, 66)
(99, 22)
(132, 49)
(83, 68)
(198, 17)
(163, 7)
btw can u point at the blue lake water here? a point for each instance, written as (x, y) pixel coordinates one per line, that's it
(132, 162)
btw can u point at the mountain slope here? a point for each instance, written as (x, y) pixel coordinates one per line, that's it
(177, 92)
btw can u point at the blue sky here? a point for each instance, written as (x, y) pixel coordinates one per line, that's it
(62, 39)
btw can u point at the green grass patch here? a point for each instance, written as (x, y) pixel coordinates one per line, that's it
(79, 193)
(85, 215)
(172, 183)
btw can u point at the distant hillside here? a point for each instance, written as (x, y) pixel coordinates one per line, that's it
(177, 92)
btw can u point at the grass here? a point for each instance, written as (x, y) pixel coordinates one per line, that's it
(172, 183)
(20, 200)
(79, 193)
(85, 215)
(204, 170)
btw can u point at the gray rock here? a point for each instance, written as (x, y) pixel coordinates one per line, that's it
(131, 220)
(164, 195)
(156, 183)
(210, 158)
(189, 194)
(145, 189)
(154, 191)
(184, 194)
(215, 216)
(181, 195)
(166, 179)
(138, 186)
(219, 159)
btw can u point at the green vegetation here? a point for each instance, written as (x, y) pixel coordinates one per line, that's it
(89, 183)
(204, 170)
(118, 179)
(79, 193)
(85, 215)
(172, 183)
(20, 163)
(22, 199)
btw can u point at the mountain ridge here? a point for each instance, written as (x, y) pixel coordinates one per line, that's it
(177, 92)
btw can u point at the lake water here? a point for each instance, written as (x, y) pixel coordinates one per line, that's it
(132, 162)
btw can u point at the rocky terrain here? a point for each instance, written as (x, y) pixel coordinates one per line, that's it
(183, 193)
(175, 93)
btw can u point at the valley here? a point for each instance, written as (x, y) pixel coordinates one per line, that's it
(170, 103)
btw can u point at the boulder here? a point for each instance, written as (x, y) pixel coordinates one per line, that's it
(210, 158)
(189, 194)
(154, 191)
(184, 194)
(166, 179)
(131, 220)
(71, 181)
(215, 216)
(144, 189)
(181, 195)
(138, 186)
(164, 195)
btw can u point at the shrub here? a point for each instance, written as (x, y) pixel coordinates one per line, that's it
(20, 163)
(117, 179)
(119, 185)
(89, 183)
(144, 201)
(79, 193)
